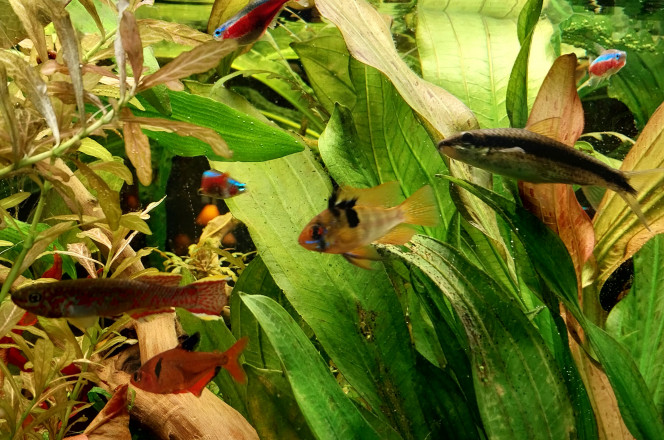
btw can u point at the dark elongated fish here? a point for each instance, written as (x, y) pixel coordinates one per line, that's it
(111, 297)
(532, 157)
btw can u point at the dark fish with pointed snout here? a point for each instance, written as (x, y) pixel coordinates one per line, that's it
(532, 157)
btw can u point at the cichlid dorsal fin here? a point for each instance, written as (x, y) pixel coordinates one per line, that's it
(190, 343)
(548, 127)
(385, 195)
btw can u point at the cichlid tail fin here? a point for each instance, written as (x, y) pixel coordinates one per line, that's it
(211, 296)
(420, 208)
(634, 204)
(232, 364)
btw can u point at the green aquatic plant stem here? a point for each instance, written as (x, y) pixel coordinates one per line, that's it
(98, 46)
(27, 244)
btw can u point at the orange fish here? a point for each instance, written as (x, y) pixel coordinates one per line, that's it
(182, 370)
(355, 218)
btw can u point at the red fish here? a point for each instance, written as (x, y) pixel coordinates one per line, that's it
(93, 297)
(182, 370)
(356, 218)
(251, 22)
(54, 271)
(607, 63)
(220, 185)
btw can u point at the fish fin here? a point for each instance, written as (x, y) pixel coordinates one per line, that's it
(198, 386)
(359, 262)
(546, 127)
(634, 204)
(211, 296)
(162, 279)
(385, 195)
(190, 343)
(640, 173)
(362, 256)
(399, 234)
(232, 364)
(420, 208)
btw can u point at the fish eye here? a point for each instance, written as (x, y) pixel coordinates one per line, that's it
(217, 32)
(467, 138)
(317, 232)
(34, 297)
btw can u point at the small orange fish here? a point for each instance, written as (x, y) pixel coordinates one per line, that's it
(182, 370)
(357, 217)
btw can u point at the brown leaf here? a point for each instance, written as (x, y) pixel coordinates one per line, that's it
(200, 59)
(619, 232)
(118, 48)
(205, 134)
(92, 10)
(558, 104)
(29, 80)
(28, 13)
(131, 41)
(109, 200)
(82, 254)
(156, 31)
(112, 423)
(70, 51)
(137, 147)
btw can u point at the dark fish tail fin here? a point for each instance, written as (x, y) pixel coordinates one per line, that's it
(631, 201)
(211, 297)
(420, 208)
(232, 364)
(190, 342)
(641, 173)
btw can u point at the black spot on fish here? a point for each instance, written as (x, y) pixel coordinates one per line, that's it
(332, 204)
(353, 219)
(190, 343)
(157, 368)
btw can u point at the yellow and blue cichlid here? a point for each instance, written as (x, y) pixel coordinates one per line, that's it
(355, 218)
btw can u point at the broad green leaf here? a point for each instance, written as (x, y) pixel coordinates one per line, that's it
(557, 273)
(285, 195)
(520, 391)
(328, 411)
(471, 54)
(635, 320)
(517, 87)
(250, 139)
(325, 58)
(273, 410)
(369, 41)
(109, 200)
(618, 230)
(94, 149)
(268, 56)
(14, 200)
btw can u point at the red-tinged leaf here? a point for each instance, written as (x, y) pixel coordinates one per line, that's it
(82, 255)
(131, 41)
(112, 423)
(118, 49)
(70, 51)
(558, 106)
(27, 12)
(200, 59)
(137, 147)
(205, 134)
(109, 200)
(92, 10)
(619, 232)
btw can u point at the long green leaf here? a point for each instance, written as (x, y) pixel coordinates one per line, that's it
(250, 139)
(328, 411)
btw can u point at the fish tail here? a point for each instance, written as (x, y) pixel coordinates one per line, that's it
(232, 364)
(634, 204)
(640, 173)
(211, 297)
(420, 208)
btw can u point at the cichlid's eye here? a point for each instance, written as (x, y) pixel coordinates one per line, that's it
(468, 138)
(34, 297)
(317, 232)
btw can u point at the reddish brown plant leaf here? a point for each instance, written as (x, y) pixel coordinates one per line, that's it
(200, 59)
(137, 146)
(205, 134)
(558, 106)
(92, 10)
(28, 13)
(131, 41)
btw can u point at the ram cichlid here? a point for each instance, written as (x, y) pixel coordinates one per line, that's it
(536, 158)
